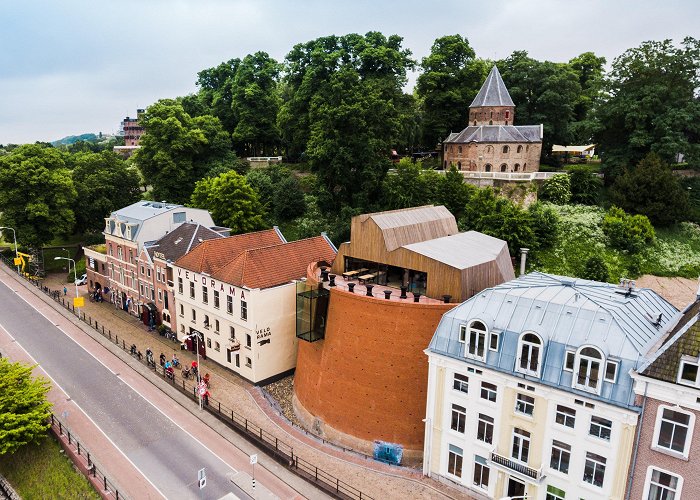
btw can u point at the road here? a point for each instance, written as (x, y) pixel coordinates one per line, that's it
(162, 447)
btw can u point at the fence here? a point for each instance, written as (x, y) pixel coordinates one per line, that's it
(273, 446)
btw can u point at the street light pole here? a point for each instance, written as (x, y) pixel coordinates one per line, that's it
(74, 267)
(14, 237)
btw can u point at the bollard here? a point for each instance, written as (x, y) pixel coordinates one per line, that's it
(351, 287)
(332, 278)
(387, 294)
(416, 296)
(369, 290)
(403, 293)
(446, 298)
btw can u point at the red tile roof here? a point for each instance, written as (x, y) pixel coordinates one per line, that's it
(275, 265)
(211, 255)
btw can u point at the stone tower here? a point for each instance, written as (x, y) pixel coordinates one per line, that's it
(492, 105)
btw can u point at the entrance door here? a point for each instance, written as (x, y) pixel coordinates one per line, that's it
(515, 488)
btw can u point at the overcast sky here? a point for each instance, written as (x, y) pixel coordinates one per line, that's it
(74, 66)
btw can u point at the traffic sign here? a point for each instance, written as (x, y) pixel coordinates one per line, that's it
(254, 459)
(79, 302)
(202, 389)
(202, 478)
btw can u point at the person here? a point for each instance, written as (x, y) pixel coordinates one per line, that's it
(205, 397)
(149, 356)
(206, 379)
(176, 362)
(162, 359)
(65, 290)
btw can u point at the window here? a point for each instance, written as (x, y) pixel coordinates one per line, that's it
(530, 351)
(216, 299)
(148, 272)
(569, 361)
(600, 427)
(688, 372)
(248, 362)
(520, 149)
(217, 346)
(206, 321)
(588, 369)
(477, 340)
(521, 445)
(248, 340)
(454, 461)
(565, 416)
(561, 456)
(231, 333)
(160, 296)
(504, 167)
(191, 290)
(244, 310)
(208, 342)
(153, 294)
(484, 430)
(158, 274)
(505, 149)
(493, 341)
(462, 333)
(194, 316)
(661, 485)
(229, 304)
(182, 310)
(487, 167)
(524, 404)
(179, 286)
(216, 325)
(178, 217)
(142, 272)
(461, 383)
(672, 430)
(141, 288)
(238, 360)
(554, 493)
(488, 391)
(611, 371)
(459, 418)
(594, 471)
(205, 295)
(481, 472)
(459, 149)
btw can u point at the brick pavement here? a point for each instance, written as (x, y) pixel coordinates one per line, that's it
(381, 481)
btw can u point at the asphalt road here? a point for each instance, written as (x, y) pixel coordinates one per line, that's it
(167, 455)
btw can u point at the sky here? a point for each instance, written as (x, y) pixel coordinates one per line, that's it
(69, 67)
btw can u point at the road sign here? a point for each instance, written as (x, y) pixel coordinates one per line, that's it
(79, 302)
(254, 459)
(202, 478)
(202, 389)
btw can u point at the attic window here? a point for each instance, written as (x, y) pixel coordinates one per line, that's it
(688, 371)
(178, 241)
(179, 217)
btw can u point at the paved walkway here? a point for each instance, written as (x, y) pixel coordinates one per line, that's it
(380, 481)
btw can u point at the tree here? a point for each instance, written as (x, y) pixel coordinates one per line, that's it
(454, 193)
(596, 269)
(556, 189)
(590, 71)
(215, 96)
(450, 79)
(585, 186)
(177, 150)
(36, 194)
(288, 200)
(651, 106)
(545, 224)
(24, 410)
(651, 189)
(630, 233)
(231, 202)
(104, 183)
(405, 188)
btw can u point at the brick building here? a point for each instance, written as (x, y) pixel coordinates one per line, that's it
(668, 388)
(490, 142)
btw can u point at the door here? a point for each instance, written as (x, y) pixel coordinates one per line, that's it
(516, 488)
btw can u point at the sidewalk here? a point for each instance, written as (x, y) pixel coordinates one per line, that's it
(373, 478)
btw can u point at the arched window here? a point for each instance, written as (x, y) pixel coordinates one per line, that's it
(450, 148)
(459, 149)
(445, 165)
(459, 165)
(506, 149)
(529, 354)
(588, 369)
(491, 115)
(527, 148)
(524, 167)
(475, 123)
(507, 114)
(487, 167)
(490, 122)
(504, 167)
(516, 167)
(520, 149)
(489, 149)
(476, 346)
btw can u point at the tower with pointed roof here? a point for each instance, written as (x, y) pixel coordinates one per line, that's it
(490, 142)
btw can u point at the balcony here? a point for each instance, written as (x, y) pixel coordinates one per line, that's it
(528, 473)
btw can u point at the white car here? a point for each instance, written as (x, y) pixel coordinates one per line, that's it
(82, 280)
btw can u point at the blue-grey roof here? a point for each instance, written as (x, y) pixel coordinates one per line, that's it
(566, 313)
(493, 92)
(142, 210)
(497, 133)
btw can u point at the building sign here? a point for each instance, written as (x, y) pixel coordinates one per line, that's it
(159, 255)
(263, 333)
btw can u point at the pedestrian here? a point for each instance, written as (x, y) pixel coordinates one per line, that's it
(205, 397)
(65, 291)
(162, 359)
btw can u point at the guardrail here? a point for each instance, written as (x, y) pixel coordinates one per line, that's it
(273, 446)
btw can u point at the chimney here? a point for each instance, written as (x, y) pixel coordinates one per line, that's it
(523, 259)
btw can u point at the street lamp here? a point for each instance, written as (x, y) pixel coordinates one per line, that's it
(14, 236)
(69, 261)
(199, 368)
(75, 269)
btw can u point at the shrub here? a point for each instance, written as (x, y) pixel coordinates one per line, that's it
(556, 189)
(627, 232)
(585, 186)
(595, 269)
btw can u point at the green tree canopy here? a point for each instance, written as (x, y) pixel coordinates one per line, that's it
(37, 194)
(177, 150)
(104, 183)
(596, 269)
(556, 189)
(627, 232)
(215, 94)
(231, 202)
(24, 410)
(585, 186)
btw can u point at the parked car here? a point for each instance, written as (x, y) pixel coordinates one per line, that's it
(82, 280)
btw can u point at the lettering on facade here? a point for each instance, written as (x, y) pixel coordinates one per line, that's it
(263, 333)
(159, 255)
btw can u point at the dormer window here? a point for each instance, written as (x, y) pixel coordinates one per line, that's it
(588, 369)
(529, 354)
(476, 340)
(688, 371)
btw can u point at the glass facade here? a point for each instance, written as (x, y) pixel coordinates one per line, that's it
(312, 311)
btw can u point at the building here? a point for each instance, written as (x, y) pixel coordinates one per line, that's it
(668, 389)
(132, 130)
(568, 152)
(490, 142)
(127, 231)
(529, 388)
(238, 294)
(361, 374)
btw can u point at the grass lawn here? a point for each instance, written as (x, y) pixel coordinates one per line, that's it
(42, 471)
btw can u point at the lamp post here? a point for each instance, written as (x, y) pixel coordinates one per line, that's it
(199, 368)
(14, 237)
(75, 269)
(69, 261)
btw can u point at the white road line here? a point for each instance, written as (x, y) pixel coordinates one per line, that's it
(81, 410)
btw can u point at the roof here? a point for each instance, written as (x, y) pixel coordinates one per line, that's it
(493, 92)
(213, 254)
(411, 225)
(571, 149)
(497, 133)
(567, 313)
(142, 210)
(181, 240)
(683, 340)
(270, 266)
(461, 250)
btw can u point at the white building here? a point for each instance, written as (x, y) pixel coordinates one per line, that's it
(239, 295)
(529, 391)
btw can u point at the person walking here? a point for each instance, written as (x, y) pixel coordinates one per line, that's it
(65, 291)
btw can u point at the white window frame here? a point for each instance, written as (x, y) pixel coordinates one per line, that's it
(458, 415)
(487, 424)
(459, 385)
(531, 346)
(497, 337)
(566, 357)
(647, 482)
(616, 364)
(562, 448)
(600, 426)
(459, 454)
(489, 391)
(567, 416)
(521, 439)
(481, 337)
(688, 360)
(483, 464)
(596, 465)
(577, 368)
(522, 405)
(657, 431)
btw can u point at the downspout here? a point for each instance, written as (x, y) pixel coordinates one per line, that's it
(636, 443)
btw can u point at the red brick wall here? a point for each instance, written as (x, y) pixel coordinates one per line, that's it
(646, 456)
(368, 377)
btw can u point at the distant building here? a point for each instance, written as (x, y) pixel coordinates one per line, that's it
(529, 388)
(490, 142)
(132, 130)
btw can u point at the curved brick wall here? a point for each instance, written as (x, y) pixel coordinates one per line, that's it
(367, 379)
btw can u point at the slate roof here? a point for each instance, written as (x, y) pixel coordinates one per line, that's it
(497, 133)
(461, 250)
(566, 313)
(682, 340)
(493, 92)
(270, 266)
(213, 254)
(181, 240)
(142, 210)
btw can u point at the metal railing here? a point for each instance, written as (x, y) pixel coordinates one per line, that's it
(514, 466)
